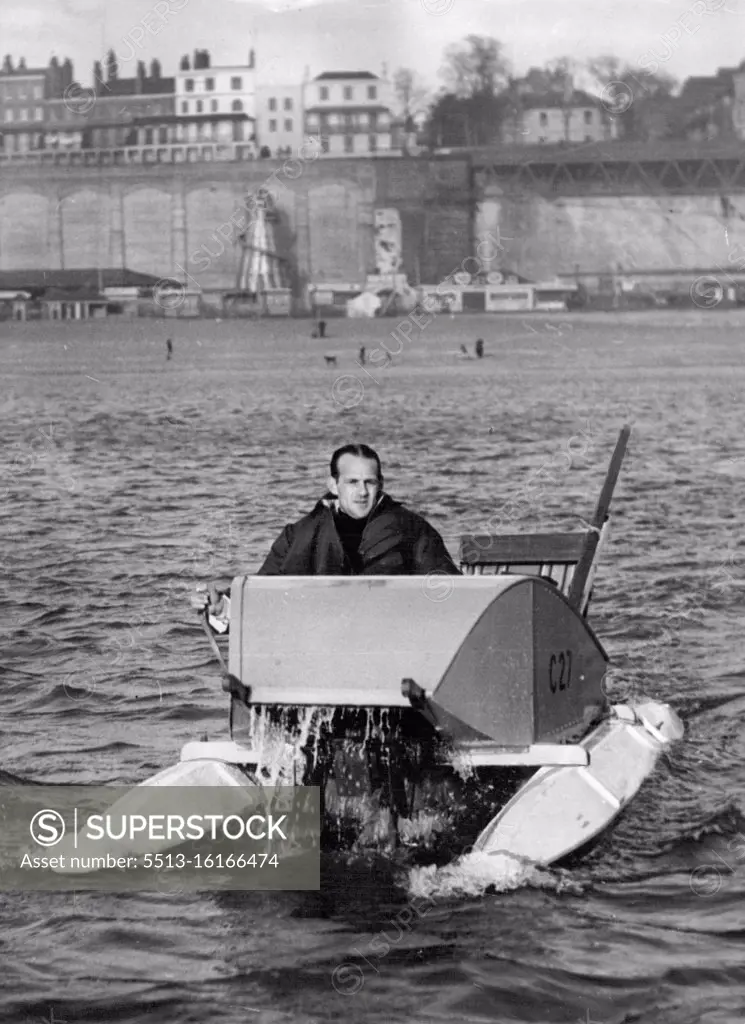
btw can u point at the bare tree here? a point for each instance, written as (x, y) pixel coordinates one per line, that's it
(606, 68)
(635, 96)
(476, 67)
(562, 72)
(411, 95)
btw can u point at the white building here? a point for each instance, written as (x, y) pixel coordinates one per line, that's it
(351, 111)
(279, 118)
(218, 102)
(552, 118)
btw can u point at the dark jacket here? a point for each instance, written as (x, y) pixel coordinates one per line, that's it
(395, 542)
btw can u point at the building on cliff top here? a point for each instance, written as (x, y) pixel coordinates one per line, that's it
(350, 111)
(552, 118)
(217, 102)
(24, 96)
(279, 119)
(108, 115)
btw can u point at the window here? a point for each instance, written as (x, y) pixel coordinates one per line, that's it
(323, 92)
(372, 143)
(543, 118)
(272, 103)
(588, 117)
(288, 124)
(38, 114)
(348, 92)
(8, 115)
(200, 106)
(148, 136)
(288, 103)
(236, 82)
(184, 107)
(23, 114)
(372, 92)
(272, 125)
(236, 106)
(349, 143)
(363, 121)
(163, 135)
(189, 85)
(209, 84)
(213, 106)
(38, 92)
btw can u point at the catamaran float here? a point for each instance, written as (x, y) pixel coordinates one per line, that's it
(488, 687)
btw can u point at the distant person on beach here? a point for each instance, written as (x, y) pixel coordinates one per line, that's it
(356, 529)
(362, 356)
(479, 348)
(169, 349)
(321, 328)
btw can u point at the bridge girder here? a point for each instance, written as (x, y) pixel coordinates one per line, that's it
(572, 176)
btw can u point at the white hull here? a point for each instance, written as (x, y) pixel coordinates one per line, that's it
(202, 766)
(560, 810)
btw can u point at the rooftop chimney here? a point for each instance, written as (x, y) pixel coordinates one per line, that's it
(67, 73)
(98, 79)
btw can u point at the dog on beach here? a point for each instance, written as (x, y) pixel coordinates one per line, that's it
(330, 360)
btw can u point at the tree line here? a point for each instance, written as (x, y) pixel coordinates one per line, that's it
(481, 94)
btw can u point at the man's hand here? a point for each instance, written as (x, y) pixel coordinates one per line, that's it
(209, 598)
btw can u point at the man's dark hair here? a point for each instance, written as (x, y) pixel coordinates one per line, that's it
(361, 451)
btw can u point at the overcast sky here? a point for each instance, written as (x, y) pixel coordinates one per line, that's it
(693, 37)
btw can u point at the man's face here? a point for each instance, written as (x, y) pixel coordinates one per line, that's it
(358, 486)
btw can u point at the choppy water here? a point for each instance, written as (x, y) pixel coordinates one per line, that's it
(126, 479)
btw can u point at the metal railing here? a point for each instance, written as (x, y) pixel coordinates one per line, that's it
(172, 153)
(178, 153)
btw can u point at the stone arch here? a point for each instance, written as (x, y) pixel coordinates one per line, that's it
(214, 219)
(148, 231)
(85, 228)
(336, 246)
(29, 238)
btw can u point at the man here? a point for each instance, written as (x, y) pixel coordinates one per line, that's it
(356, 529)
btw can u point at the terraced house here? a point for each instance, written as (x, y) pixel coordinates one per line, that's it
(351, 111)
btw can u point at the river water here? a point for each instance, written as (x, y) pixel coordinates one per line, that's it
(127, 478)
